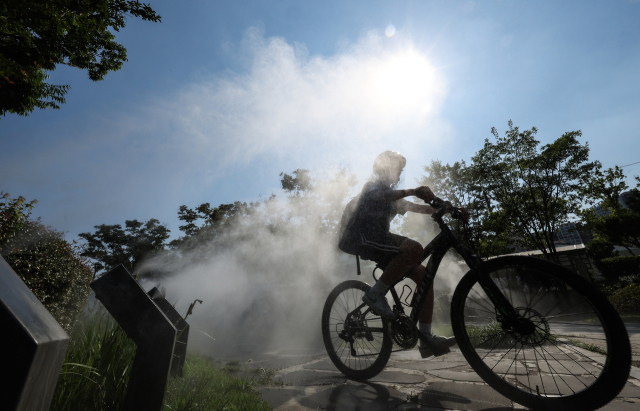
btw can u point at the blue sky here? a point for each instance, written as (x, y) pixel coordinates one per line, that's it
(221, 97)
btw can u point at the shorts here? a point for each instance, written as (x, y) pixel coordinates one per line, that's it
(380, 247)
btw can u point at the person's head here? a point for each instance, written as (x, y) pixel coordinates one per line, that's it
(388, 166)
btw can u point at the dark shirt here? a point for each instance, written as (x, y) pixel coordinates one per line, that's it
(376, 216)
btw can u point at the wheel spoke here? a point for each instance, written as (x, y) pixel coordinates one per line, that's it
(555, 358)
(348, 318)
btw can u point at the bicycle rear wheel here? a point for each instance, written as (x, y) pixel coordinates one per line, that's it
(357, 340)
(579, 356)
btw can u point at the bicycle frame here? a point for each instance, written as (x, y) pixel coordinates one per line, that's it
(436, 249)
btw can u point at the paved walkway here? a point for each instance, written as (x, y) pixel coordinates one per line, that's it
(446, 382)
(309, 381)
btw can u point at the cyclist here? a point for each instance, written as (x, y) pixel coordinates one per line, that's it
(368, 236)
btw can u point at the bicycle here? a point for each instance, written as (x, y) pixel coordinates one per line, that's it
(536, 332)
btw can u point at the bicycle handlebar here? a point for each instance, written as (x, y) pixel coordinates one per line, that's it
(445, 207)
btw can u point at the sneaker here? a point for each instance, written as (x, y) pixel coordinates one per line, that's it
(437, 345)
(379, 306)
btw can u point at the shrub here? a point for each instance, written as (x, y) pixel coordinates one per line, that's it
(52, 269)
(14, 213)
(600, 248)
(627, 299)
(616, 267)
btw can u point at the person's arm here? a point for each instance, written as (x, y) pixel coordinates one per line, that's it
(387, 196)
(420, 208)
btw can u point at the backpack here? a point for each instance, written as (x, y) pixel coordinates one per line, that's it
(346, 244)
(346, 221)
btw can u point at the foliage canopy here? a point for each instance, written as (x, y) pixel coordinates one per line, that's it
(111, 245)
(36, 36)
(518, 192)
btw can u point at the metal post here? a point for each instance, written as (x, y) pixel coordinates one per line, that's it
(180, 350)
(33, 346)
(149, 328)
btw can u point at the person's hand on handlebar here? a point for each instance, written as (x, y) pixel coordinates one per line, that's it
(424, 193)
(465, 214)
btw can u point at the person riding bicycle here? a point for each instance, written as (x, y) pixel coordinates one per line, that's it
(367, 235)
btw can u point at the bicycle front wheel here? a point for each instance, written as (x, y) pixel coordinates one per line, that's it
(579, 355)
(357, 340)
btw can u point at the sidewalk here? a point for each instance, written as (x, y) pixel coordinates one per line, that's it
(407, 383)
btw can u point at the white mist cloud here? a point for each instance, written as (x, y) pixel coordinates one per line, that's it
(286, 109)
(290, 104)
(264, 279)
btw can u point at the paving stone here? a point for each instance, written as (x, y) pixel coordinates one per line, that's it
(621, 405)
(556, 384)
(308, 352)
(426, 365)
(384, 376)
(508, 367)
(348, 397)
(530, 355)
(568, 367)
(278, 396)
(414, 355)
(630, 391)
(456, 375)
(306, 378)
(271, 361)
(398, 377)
(324, 365)
(451, 395)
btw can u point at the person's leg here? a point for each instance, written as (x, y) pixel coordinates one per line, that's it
(409, 254)
(426, 317)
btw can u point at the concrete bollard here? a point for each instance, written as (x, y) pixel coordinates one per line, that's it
(33, 346)
(151, 330)
(180, 350)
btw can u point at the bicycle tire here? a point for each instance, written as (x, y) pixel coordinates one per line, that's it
(371, 356)
(576, 320)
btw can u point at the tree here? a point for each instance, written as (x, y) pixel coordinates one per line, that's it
(488, 230)
(111, 245)
(618, 225)
(215, 221)
(36, 36)
(535, 189)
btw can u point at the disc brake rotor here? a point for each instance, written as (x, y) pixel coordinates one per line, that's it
(541, 333)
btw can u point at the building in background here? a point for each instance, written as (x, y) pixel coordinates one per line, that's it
(570, 233)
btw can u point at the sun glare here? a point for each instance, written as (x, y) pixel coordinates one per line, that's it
(407, 80)
(390, 31)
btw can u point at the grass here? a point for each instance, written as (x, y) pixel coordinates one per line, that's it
(96, 369)
(97, 365)
(588, 347)
(205, 387)
(481, 333)
(491, 332)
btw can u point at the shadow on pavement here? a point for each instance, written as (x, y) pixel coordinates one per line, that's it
(472, 397)
(359, 396)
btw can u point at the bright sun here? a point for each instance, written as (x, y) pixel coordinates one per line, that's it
(406, 80)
